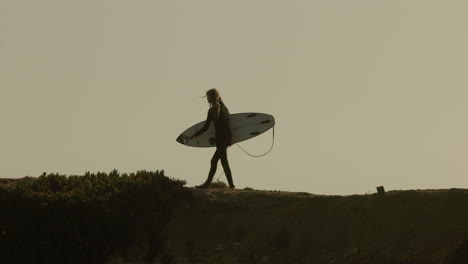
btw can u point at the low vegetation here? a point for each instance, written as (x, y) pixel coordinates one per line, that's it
(147, 217)
(86, 219)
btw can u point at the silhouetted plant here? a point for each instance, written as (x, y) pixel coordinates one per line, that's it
(86, 219)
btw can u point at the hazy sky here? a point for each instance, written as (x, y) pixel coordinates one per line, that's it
(365, 93)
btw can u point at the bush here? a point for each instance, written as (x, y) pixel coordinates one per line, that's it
(87, 219)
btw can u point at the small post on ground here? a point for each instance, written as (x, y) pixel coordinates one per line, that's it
(381, 190)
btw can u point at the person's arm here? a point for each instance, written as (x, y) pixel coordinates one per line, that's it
(204, 128)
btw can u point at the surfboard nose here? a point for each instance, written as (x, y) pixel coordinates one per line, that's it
(182, 139)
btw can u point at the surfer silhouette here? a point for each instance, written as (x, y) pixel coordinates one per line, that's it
(219, 115)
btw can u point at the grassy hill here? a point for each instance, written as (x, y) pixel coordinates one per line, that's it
(147, 217)
(249, 226)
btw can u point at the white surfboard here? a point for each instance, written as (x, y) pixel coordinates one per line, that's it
(243, 126)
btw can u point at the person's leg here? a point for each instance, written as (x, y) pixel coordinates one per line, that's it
(214, 165)
(224, 161)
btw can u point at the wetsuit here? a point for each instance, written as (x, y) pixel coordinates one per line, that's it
(223, 140)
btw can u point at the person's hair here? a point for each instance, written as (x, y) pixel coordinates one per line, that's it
(215, 101)
(213, 96)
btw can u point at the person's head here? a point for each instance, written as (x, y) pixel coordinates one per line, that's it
(213, 96)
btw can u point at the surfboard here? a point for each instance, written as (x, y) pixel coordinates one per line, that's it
(244, 126)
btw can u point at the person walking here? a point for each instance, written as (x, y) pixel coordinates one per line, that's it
(219, 115)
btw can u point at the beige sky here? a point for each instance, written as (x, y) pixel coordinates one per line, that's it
(365, 93)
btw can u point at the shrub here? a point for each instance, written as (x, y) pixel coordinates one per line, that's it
(86, 219)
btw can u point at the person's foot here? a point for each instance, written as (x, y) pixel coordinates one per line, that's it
(232, 186)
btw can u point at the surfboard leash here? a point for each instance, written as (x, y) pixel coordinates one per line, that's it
(254, 156)
(258, 156)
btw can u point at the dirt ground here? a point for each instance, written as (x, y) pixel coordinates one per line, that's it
(252, 226)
